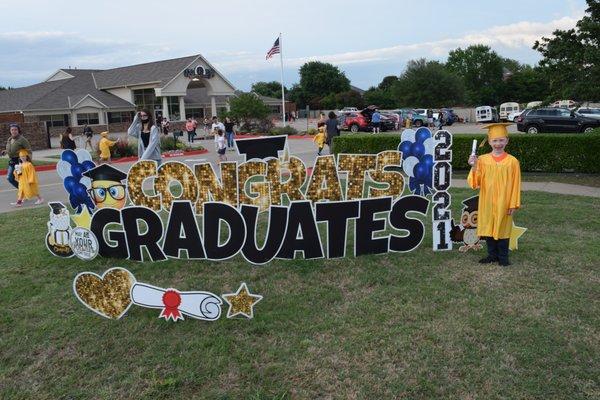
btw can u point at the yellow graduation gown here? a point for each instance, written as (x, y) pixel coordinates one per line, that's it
(104, 146)
(500, 189)
(28, 182)
(320, 138)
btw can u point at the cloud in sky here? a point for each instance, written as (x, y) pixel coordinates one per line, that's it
(34, 55)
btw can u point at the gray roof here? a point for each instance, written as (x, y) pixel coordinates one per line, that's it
(198, 96)
(60, 94)
(158, 71)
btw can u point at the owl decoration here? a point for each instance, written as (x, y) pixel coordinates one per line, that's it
(466, 231)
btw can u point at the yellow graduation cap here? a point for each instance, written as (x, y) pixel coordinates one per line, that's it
(495, 131)
(23, 152)
(104, 134)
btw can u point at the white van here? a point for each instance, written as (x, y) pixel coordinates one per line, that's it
(534, 104)
(508, 108)
(570, 104)
(486, 114)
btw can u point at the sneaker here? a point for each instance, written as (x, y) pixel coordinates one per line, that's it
(18, 204)
(488, 260)
(39, 201)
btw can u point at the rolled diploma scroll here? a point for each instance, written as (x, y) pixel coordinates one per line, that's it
(474, 147)
(200, 305)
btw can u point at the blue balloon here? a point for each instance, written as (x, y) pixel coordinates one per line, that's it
(420, 172)
(69, 156)
(405, 149)
(427, 160)
(422, 134)
(80, 191)
(417, 149)
(70, 183)
(87, 165)
(73, 201)
(76, 170)
(413, 185)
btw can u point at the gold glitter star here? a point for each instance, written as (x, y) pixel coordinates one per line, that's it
(241, 302)
(515, 233)
(83, 219)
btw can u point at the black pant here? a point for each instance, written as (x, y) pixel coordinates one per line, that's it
(190, 136)
(497, 249)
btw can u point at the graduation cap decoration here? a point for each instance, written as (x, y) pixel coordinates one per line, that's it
(105, 172)
(471, 204)
(56, 207)
(262, 147)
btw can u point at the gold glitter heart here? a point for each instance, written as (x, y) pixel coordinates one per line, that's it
(106, 295)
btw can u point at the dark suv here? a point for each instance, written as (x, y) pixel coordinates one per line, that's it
(555, 120)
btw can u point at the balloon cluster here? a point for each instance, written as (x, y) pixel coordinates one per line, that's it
(70, 168)
(417, 149)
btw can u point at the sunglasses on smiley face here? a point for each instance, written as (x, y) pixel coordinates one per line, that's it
(117, 192)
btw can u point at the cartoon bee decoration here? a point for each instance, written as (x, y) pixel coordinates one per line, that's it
(466, 232)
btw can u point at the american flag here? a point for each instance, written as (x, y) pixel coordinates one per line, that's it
(274, 50)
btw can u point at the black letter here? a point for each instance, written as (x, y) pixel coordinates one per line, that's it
(183, 220)
(100, 219)
(149, 239)
(366, 225)
(337, 215)
(415, 227)
(213, 214)
(301, 217)
(275, 233)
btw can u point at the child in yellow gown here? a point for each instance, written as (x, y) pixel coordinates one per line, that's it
(28, 181)
(321, 137)
(104, 147)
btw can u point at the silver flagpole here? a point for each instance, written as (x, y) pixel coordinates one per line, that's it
(282, 90)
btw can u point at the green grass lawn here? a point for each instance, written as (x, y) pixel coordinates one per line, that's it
(417, 325)
(4, 162)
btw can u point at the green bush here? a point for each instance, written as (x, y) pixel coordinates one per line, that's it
(312, 131)
(536, 153)
(286, 130)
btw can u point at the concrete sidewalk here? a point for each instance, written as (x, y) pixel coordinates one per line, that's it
(548, 187)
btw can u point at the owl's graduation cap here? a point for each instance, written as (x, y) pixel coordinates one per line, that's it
(471, 204)
(105, 172)
(264, 147)
(56, 207)
(495, 131)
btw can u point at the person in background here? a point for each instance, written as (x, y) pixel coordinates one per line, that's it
(430, 118)
(146, 132)
(206, 124)
(221, 146)
(320, 137)
(229, 132)
(28, 181)
(189, 128)
(67, 141)
(165, 125)
(87, 131)
(15, 143)
(195, 122)
(376, 121)
(332, 127)
(216, 125)
(104, 146)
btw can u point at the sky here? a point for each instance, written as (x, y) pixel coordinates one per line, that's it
(367, 40)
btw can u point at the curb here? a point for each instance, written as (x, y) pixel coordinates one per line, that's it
(50, 167)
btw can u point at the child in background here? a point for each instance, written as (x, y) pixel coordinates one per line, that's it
(498, 176)
(221, 145)
(28, 181)
(320, 137)
(104, 147)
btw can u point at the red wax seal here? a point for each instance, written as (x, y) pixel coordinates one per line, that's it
(171, 300)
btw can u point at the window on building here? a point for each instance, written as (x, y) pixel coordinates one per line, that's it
(146, 99)
(55, 120)
(88, 119)
(173, 104)
(194, 113)
(121, 116)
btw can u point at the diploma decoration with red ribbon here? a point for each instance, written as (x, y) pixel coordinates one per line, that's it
(171, 300)
(175, 304)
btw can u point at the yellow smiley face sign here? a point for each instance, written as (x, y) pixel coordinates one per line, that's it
(107, 190)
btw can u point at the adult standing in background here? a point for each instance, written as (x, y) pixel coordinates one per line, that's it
(15, 143)
(216, 125)
(430, 117)
(146, 132)
(332, 128)
(229, 132)
(67, 142)
(189, 128)
(87, 131)
(376, 121)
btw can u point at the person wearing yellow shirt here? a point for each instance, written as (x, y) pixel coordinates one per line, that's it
(320, 137)
(104, 147)
(497, 175)
(28, 181)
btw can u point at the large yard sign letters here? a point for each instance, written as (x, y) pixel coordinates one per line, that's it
(178, 211)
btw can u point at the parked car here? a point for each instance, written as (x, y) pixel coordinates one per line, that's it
(348, 110)
(570, 104)
(553, 120)
(418, 120)
(449, 116)
(361, 121)
(589, 112)
(508, 108)
(486, 114)
(514, 115)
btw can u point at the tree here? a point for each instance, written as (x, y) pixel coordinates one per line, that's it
(318, 79)
(481, 70)
(528, 84)
(427, 84)
(380, 97)
(571, 58)
(269, 89)
(388, 82)
(248, 106)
